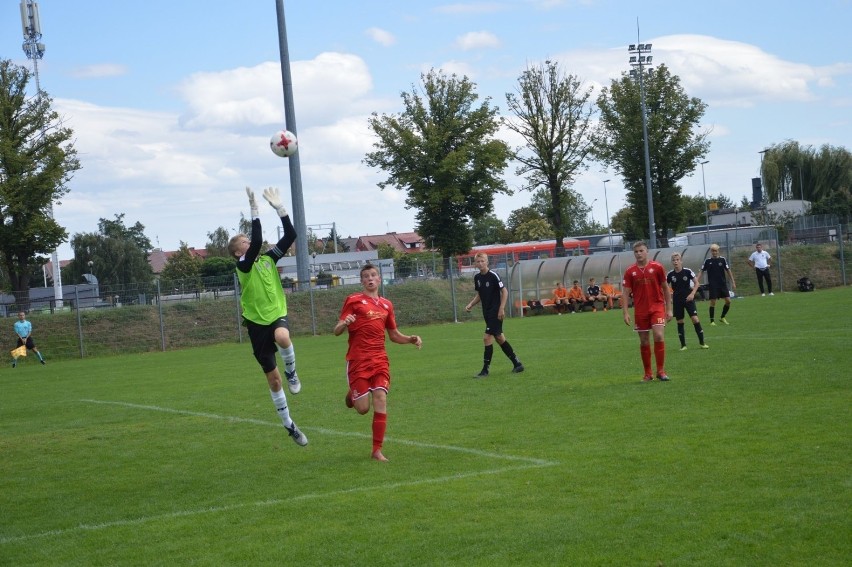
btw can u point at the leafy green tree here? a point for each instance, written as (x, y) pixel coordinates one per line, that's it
(534, 229)
(791, 171)
(838, 202)
(385, 251)
(575, 211)
(675, 145)
(522, 216)
(441, 150)
(183, 266)
(217, 267)
(553, 113)
(694, 209)
(624, 221)
(37, 160)
(217, 243)
(119, 254)
(490, 230)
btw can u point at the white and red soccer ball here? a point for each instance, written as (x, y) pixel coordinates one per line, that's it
(283, 143)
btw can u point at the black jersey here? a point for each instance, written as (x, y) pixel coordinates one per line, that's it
(489, 287)
(716, 269)
(593, 290)
(682, 283)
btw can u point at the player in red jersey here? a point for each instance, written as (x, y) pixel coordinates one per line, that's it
(366, 315)
(652, 308)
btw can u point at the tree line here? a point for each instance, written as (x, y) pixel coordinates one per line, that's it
(445, 150)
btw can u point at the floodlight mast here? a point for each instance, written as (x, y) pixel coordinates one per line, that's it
(302, 262)
(34, 50)
(637, 59)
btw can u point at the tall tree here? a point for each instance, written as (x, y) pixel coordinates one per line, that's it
(792, 171)
(553, 113)
(441, 150)
(490, 230)
(217, 243)
(119, 254)
(675, 145)
(183, 267)
(37, 160)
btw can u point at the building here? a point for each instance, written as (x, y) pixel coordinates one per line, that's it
(408, 242)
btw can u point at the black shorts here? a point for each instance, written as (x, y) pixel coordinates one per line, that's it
(719, 292)
(263, 342)
(29, 342)
(681, 305)
(493, 325)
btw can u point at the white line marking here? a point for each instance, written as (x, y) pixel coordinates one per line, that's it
(530, 464)
(478, 452)
(275, 502)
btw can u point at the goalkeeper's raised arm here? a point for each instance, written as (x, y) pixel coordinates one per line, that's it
(289, 237)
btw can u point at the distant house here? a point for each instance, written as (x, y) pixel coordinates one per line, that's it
(408, 242)
(158, 258)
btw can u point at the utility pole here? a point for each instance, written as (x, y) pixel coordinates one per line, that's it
(637, 59)
(34, 50)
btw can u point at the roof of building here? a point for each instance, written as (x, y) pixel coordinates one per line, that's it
(402, 241)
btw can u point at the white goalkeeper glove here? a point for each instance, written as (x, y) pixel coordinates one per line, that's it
(252, 203)
(273, 198)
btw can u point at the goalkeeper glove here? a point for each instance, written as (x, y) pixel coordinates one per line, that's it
(252, 203)
(274, 199)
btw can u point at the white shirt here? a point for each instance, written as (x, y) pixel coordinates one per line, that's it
(760, 259)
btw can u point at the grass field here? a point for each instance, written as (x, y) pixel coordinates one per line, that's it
(177, 458)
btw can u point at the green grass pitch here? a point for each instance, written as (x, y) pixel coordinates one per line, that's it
(177, 458)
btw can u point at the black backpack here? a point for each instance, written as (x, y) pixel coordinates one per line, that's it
(805, 284)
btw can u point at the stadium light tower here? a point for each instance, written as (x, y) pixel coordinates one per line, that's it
(706, 204)
(34, 50)
(302, 261)
(608, 222)
(640, 59)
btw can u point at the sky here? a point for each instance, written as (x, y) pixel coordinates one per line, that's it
(172, 103)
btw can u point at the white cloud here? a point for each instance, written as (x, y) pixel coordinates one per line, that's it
(325, 88)
(478, 40)
(720, 72)
(381, 36)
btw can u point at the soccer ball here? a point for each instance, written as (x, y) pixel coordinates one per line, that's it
(283, 143)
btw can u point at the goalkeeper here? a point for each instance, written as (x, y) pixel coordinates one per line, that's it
(264, 305)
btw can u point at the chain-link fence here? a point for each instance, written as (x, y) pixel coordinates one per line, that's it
(98, 320)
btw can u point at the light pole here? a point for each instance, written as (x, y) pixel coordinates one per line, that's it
(640, 61)
(608, 222)
(706, 204)
(34, 49)
(302, 267)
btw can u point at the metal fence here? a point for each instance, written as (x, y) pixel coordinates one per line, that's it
(157, 317)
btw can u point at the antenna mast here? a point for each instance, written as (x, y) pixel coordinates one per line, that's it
(34, 50)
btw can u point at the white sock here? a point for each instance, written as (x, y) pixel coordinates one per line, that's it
(288, 355)
(280, 401)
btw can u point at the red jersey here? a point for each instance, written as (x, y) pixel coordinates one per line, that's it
(367, 333)
(645, 283)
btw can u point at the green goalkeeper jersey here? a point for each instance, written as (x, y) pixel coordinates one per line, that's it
(263, 301)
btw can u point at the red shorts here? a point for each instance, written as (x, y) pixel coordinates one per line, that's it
(367, 375)
(643, 321)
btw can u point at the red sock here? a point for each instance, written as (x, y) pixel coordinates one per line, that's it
(660, 356)
(380, 423)
(646, 358)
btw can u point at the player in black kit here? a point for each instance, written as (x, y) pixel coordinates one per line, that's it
(684, 284)
(717, 273)
(491, 292)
